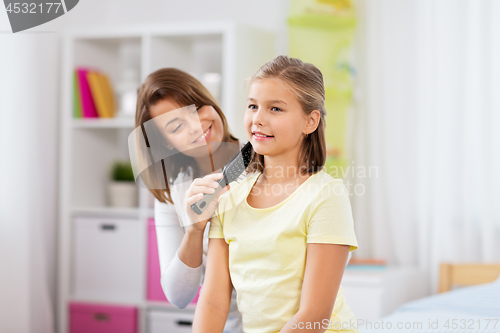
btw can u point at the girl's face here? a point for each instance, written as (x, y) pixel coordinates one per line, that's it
(274, 119)
(189, 128)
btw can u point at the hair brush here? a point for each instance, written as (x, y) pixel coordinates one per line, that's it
(231, 171)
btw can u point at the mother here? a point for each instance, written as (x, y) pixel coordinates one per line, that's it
(182, 249)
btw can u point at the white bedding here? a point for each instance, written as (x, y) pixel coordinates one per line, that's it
(469, 309)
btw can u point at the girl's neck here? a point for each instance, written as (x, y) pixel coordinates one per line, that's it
(279, 170)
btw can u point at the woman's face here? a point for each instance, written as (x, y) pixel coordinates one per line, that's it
(188, 128)
(274, 120)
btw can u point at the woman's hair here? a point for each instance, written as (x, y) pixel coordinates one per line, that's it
(171, 83)
(306, 82)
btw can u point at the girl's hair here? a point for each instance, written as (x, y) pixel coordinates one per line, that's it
(183, 88)
(306, 82)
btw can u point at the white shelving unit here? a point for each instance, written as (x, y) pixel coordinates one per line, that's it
(88, 146)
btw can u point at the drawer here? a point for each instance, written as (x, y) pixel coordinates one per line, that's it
(171, 322)
(107, 259)
(98, 318)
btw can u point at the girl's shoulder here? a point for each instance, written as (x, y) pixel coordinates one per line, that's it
(323, 177)
(323, 184)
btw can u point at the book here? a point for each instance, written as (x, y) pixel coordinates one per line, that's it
(110, 94)
(87, 102)
(77, 109)
(102, 94)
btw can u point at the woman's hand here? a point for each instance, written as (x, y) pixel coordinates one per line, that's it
(195, 192)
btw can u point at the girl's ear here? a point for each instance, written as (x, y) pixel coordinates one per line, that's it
(312, 121)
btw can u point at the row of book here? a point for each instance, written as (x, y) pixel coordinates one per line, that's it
(93, 95)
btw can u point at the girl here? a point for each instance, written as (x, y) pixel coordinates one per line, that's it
(182, 247)
(285, 243)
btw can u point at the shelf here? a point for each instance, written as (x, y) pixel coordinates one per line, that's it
(147, 304)
(111, 55)
(89, 146)
(94, 152)
(102, 301)
(195, 54)
(106, 212)
(104, 123)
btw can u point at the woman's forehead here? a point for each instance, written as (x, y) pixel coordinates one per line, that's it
(167, 115)
(164, 106)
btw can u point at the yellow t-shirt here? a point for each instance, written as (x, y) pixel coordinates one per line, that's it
(267, 248)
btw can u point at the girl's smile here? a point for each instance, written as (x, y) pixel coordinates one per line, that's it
(261, 136)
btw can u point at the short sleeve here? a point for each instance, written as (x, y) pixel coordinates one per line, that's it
(215, 230)
(330, 218)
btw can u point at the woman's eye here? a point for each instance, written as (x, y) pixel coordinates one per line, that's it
(175, 130)
(197, 109)
(276, 109)
(252, 106)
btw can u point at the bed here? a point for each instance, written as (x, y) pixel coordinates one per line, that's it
(473, 307)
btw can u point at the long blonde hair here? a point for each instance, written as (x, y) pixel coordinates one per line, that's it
(186, 90)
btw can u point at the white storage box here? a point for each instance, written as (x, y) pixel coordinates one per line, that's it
(170, 322)
(108, 261)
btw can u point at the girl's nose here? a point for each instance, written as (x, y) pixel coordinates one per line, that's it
(258, 117)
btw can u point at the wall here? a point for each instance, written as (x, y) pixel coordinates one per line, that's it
(28, 192)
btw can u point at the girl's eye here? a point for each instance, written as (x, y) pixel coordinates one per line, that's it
(276, 109)
(252, 106)
(197, 109)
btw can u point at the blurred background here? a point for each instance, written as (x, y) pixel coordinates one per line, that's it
(413, 129)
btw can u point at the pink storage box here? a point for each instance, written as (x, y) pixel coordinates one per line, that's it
(154, 289)
(98, 318)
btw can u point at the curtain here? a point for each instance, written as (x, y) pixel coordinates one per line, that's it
(427, 119)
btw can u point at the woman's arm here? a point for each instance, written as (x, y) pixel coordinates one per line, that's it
(215, 297)
(180, 255)
(325, 264)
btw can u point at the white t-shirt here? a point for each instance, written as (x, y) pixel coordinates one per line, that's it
(180, 282)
